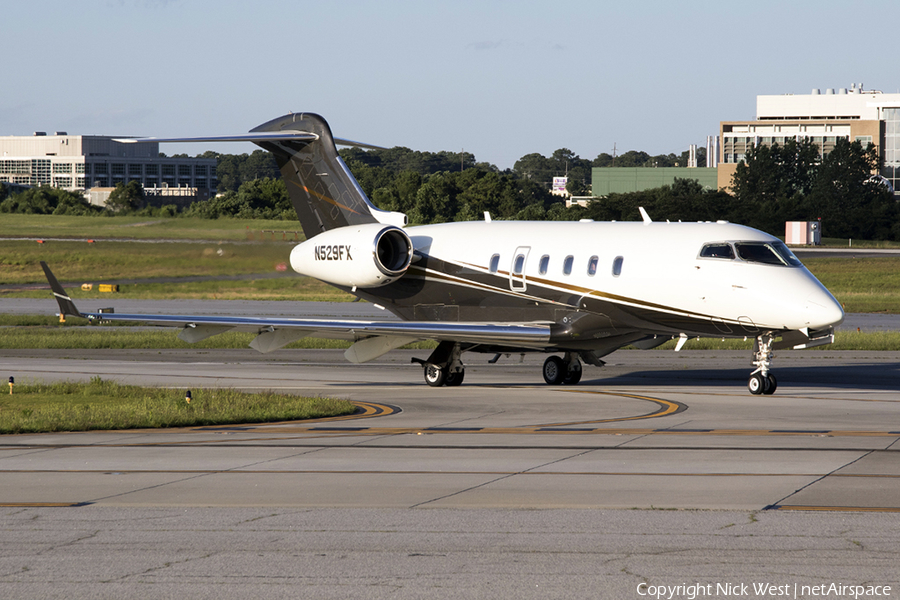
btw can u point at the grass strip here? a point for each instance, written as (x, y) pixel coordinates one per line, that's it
(103, 261)
(102, 404)
(143, 338)
(171, 228)
(282, 288)
(869, 284)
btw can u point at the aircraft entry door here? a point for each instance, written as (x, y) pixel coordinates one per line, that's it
(517, 269)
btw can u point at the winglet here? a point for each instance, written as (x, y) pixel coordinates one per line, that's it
(66, 306)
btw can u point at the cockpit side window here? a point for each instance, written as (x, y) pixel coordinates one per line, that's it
(495, 263)
(717, 250)
(768, 253)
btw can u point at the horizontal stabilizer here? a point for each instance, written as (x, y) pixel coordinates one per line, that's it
(255, 137)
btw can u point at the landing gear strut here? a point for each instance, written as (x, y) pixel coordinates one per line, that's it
(761, 380)
(565, 370)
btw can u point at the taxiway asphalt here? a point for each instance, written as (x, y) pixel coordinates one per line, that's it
(652, 429)
(660, 468)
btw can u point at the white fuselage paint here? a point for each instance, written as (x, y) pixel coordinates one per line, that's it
(660, 268)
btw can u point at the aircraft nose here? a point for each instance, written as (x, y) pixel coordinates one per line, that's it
(823, 310)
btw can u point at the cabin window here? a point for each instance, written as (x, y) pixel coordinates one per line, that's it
(544, 264)
(495, 263)
(717, 250)
(767, 253)
(567, 265)
(617, 266)
(519, 264)
(592, 265)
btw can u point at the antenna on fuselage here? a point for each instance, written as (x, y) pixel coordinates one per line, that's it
(645, 216)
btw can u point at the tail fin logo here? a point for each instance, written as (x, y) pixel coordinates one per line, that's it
(325, 198)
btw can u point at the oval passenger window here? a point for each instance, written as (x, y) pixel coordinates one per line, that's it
(545, 262)
(520, 264)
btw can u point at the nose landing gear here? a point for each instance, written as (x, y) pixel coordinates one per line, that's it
(761, 380)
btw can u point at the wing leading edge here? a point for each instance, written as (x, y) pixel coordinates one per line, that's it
(275, 333)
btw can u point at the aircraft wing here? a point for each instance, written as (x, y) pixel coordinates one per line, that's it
(373, 338)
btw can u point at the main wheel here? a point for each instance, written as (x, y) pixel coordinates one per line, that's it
(435, 376)
(554, 370)
(756, 384)
(573, 375)
(454, 379)
(773, 385)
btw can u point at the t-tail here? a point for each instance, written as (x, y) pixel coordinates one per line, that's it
(324, 193)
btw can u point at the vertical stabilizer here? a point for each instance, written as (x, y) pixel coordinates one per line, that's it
(321, 187)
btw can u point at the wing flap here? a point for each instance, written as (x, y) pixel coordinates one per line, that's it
(373, 347)
(193, 333)
(273, 339)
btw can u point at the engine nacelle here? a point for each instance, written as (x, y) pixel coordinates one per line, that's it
(365, 256)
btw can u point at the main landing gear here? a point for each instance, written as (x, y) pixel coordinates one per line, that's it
(444, 366)
(436, 375)
(566, 370)
(761, 380)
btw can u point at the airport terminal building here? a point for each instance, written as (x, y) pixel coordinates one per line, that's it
(854, 114)
(82, 162)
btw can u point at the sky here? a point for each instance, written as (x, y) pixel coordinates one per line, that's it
(499, 79)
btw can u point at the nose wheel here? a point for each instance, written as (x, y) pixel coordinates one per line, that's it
(760, 384)
(761, 380)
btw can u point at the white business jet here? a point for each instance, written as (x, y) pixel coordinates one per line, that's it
(575, 290)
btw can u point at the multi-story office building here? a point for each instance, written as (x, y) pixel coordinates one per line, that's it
(854, 114)
(82, 162)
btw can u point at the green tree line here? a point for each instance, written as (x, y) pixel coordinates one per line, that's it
(774, 184)
(791, 182)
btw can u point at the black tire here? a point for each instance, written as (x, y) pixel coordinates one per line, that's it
(435, 376)
(455, 379)
(772, 385)
(554, 370)
(574, 375)
(756, 384)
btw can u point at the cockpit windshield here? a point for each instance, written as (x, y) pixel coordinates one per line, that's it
(769, 253)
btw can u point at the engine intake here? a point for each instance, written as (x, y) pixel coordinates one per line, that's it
(370, 255)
